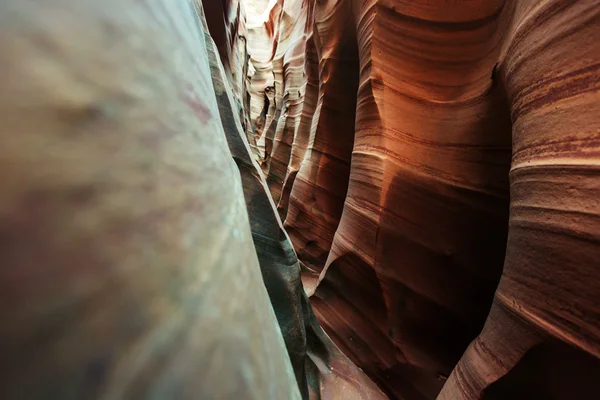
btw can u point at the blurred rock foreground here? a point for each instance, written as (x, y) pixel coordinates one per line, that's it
(300, 199)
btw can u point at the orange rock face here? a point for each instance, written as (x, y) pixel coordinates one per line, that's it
(441, 190)
(190, 190)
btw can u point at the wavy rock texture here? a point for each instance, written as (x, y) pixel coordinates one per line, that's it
(446, 150)
(321, 370)
(545, 311)
(263, 33)
(289, 76)
(172, 173)
(143, 254)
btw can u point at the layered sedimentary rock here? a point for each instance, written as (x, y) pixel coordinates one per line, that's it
(321, 370)
(143, 256)
(172, 171)
(307, 158)
(446, 150)
(317, 196)
(545, 311)
(289, 78)
(263, 33)
(418, 252)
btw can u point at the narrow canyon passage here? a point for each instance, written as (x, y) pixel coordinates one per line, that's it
(300, 199)
(398, 136)
(397, 203)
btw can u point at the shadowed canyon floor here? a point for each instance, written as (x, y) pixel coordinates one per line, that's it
(300, 199)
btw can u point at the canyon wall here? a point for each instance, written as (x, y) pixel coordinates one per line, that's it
(442, 190)
(120, 204)
(143, 256)
(184, 182)
(321, 370)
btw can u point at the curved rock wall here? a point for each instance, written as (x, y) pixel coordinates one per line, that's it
(545, 311)
(120, 205)
(173, 173)
(143, 256)
(447, 149)
(321, 370)
(419, 249)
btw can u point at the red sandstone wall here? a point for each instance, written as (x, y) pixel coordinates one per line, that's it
(445, 148)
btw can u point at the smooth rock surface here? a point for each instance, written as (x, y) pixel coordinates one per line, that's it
(322, 371)
(446, 150)
(128, 265)
(143, 255)
(173, 172)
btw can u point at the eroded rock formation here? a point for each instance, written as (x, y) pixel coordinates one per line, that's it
(446, 150)
(321, 370)
(175, 172)
(120, 204)
(143, 256)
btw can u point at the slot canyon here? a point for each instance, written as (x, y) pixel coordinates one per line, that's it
(300, 199)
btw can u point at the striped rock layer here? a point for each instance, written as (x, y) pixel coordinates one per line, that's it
(142, 254)
(442, 186)
(174, 171)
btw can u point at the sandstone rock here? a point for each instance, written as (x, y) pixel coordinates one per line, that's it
(129, 269)
(469, 159)
(174, 172)
(144, 256)
(322, 371)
